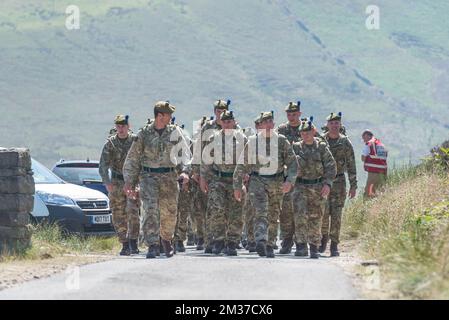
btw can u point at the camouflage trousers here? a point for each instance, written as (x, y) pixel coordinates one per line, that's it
(125, 213)
(198, 216)
(223, 211)
(248, 215)
(185, 206)
(334, 208)
(159, 195)
(265, 195)
(286, 219)
(308, 206)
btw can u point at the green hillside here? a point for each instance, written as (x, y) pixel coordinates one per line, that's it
(60, 89)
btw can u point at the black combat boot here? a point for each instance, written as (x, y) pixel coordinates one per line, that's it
(252, 246)
(232, 250)
(152, 252)
(270, 252)
(168, 249)
(301, 250)
(225, 249)
(313, 251)
(125, 249)
(334, 249)
(219, 245)
(287, 245)
(209, 247)
(179, 246)
(133, 246)
(323, 245)
(261, 248)
(161, 247)
(200, 245)
(190, 240)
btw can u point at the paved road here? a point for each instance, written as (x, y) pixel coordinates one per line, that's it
(193, 275)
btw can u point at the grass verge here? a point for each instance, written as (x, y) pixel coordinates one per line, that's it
(406, 230)
(49, 242)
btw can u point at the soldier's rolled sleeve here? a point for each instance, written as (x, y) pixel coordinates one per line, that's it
(291, 162)
(104, 165)
(351, 166)
(238, 176)
(330, 166)
(241, 169)
(186, 163)
(132, 166)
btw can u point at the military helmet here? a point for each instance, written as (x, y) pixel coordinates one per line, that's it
(306, 124)
(164, 107)
(112, 132)
(267, 115)
(222, 104)
(121, 119)
(293, 107)
(334, 116)
(227, 115)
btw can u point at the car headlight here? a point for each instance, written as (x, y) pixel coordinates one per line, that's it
(55, 199)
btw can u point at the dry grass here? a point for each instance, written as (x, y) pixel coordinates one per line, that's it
(49, 242)
(406, 229)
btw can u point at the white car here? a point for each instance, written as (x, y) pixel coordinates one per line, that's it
(76, 209)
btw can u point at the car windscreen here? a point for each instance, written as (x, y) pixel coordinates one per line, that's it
(77, 175)
(43, 175)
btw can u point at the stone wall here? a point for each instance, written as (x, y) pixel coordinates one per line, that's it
(16, 199)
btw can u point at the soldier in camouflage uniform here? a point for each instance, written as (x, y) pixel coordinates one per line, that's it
(248, 216)
(185, 209)
(343, 153)
(317, 171)
(125, 210)
(198, 217)
(224, 212)
(207, 130)
(153, 161)
(266, 184)
(248, 210)
(290, 130)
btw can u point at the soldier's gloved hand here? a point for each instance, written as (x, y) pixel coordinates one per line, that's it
(109, 187)
(352, 193)
(238, 195)
(203, 185)
(286, 187)
(325, 191)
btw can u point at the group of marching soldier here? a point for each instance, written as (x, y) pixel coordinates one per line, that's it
(229, 183)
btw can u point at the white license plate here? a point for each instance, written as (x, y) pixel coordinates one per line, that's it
(101, 219)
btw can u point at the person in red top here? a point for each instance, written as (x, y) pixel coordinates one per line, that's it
(374, 156)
